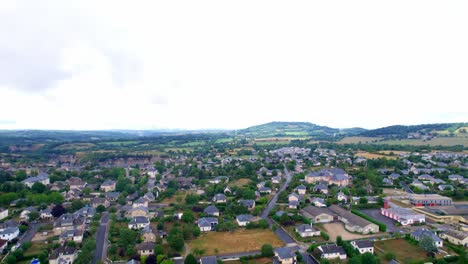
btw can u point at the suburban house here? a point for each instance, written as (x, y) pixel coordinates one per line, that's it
(68, 222)
(63, 255)
(294, 197)
(340, 196)
(112, 196)
(285, 255)
(319, 202)
(250, 204)
(138, 222)
(25, 213)
(46, 214)
(140, 202)
(100, 201)
(207, 223)
(307, 231)
(455, 237)
(76, 183)
(354, 223)
(145, 248)
(209, 260)
(9, 233)
(422, 232)
(71, 235)
(149, 196)
(301, 189)
(211, 210)
(331, 251)
(244, 219)
(108, 186)
(148, 234)
(40, 178)
(318, 214)
(276, 179)
(3, 213)
(265, 190)
(219, 198)
(363, 246)
(321, 187)
(293, 204)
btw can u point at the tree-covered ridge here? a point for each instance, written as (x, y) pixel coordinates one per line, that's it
(400, 131)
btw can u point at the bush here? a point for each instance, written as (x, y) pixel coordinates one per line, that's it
(267, 250)
(324, 235)
(382, 226)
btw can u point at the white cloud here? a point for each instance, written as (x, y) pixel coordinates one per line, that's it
(216, 64)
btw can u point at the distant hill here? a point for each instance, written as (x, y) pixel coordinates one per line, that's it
(399, 131)
(288, 129)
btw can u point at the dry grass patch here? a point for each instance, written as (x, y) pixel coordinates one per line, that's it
(394, 192)
(251, 261)
(241, 240)
(178, 197)
(369, 155)
(240, 182)
(337, 229)
(356, 140)
(404, 251)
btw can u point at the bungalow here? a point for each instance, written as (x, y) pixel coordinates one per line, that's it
(285, 255)
(363, 246)
(219, 198)
(3, 213)
(9, 233)
(207, 223)
(250, 204)
(146, 248)
(319, 202)
(265, 190)
(108, 186)
(318, 215)
(100, 201)
(422, 232)
(394, 176)
(76, 183)
(138, 222)
(321, 187)
(40, 178)
(455, 177)
(294, 197)
(71, 235)
(276, 179)
(455, 237)
(148, 234)
(293, 204)
(46, 214)
(244, 219)
(112, 196)
(301, 189)
(307, 231)
(211, 210)
(140, 202)
(63, 255)
(340, 196)
(331, 251)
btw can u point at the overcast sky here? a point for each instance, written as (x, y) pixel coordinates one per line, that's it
(231, 64)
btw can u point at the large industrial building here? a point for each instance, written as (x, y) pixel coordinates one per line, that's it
(404, 216)
(429, 200)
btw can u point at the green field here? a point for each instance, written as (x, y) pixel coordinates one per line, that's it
(440, 141)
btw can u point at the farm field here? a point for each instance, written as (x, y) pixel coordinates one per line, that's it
(369, 155)
(252, 261)
(337, 229)
(179, 197)
(355, 140)
(71, 146)
(441, 141)
(242, 240)
(404, 251)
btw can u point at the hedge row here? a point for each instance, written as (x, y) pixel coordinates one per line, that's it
(382, 226)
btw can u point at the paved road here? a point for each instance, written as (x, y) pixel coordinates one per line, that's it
(283, 235)
(238, 255)
(375, 213)
(101, 239)
(308, 259)
(29, 234)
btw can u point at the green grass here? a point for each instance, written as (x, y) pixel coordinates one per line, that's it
(121, 143)
(404, 251)
(440, 141)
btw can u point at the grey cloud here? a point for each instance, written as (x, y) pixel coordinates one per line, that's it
(33, 36)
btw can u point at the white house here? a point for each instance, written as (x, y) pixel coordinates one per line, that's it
(9, 233)
(331, 251)
(207, 223)
(244, 219)
(363, 246)
(138, 222)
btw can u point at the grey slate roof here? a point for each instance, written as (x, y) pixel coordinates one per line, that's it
(332, 248)
(363, 243)
(285, 253)
(209, 260)
(211, 210)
